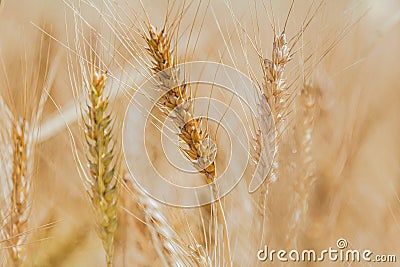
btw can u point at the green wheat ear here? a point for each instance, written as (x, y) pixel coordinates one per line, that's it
(102, 163)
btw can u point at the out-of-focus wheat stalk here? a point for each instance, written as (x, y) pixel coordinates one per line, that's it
(18, 161)
(306, 177)
(101, 157)
(22, 113)
(170, 247)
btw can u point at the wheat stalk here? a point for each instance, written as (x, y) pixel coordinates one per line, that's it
(101, 158)
(178, 105)
(306, 178)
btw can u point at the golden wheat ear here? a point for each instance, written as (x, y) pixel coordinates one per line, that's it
(27, 87)
(16, 210)
(177, 103)
(18, 161)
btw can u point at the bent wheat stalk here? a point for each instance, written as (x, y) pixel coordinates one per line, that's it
(178, 105)
(101, 157)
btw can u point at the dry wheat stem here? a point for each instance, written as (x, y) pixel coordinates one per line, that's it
(102, 161)
(178, 105)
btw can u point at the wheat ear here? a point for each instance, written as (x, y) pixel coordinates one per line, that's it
(101, 158)
(21, 190)
(275, 91)
(276, 94)
(275, 88)
(177, 103)
(305, 180)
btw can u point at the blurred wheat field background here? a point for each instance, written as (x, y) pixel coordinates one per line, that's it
(70, 68)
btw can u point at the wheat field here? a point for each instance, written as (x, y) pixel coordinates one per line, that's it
(199, 133)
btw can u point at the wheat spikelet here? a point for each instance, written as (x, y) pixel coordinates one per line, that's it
(101, 158)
